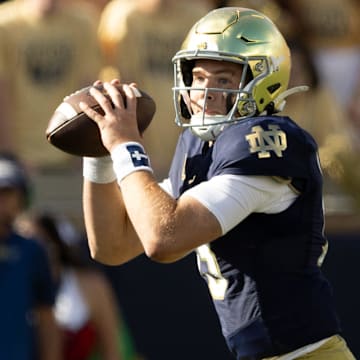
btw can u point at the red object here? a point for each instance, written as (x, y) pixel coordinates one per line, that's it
(81, 344)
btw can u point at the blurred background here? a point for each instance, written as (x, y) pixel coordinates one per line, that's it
(50, 48)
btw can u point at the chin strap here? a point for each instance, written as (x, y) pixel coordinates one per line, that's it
(279, 102)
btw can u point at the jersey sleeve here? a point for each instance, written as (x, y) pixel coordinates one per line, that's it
(272, 146)
(231, 198)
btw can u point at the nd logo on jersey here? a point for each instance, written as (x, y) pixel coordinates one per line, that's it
(264, 141)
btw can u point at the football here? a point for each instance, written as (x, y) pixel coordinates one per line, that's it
(72, 131)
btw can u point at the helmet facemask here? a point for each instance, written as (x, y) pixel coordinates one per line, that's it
(236, 35)
(240, 103)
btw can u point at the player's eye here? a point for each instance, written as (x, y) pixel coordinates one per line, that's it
(226, 82)
(198, 79)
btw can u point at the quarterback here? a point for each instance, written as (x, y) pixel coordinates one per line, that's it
(244, 191)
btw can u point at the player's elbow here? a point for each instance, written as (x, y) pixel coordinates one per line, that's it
(163, 251)
(105, 259)
(163, 257)
(106, 256)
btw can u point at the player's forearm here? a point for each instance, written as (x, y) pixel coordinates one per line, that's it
(168, 228)
(111, 237)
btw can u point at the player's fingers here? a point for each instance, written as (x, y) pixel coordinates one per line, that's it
(91, 113)
(97, 83)
(131, 92)
(101, 99)
(115, 82)
(115, 95)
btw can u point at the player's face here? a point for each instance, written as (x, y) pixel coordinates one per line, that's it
(213, 74)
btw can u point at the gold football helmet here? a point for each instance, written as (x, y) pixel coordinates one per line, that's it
(243, 36)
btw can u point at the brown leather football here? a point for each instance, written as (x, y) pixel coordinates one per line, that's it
(73, 132)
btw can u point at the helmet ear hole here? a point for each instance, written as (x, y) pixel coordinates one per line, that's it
(273, 88)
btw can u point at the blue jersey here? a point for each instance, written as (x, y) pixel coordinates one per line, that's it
(25, 283)
(264, 275)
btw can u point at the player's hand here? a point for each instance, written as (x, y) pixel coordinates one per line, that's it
(118, 124)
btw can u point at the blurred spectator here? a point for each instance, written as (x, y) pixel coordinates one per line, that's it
(354, 116)
(85, 307)
(318, 111)
(28, 330)
(47, 52)
(331, 29)
(272, 8)
(322, 110)
(95, 7)
(351, 177)
(138, 39)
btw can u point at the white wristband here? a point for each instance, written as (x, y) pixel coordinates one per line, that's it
(99, 170)
(129, 157)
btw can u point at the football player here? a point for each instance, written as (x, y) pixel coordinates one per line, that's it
(28, 328)
(244, 191)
